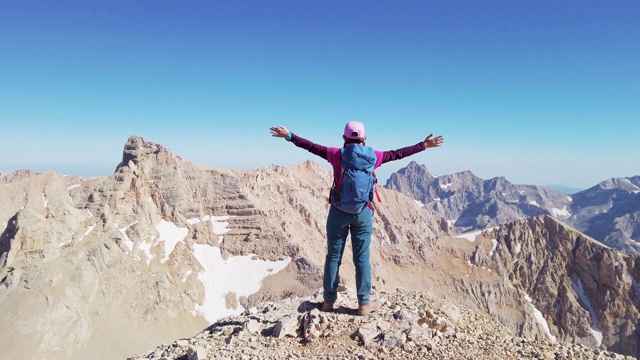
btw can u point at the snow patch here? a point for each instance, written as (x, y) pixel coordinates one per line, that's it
(44, 200)
(518, 250)
(579, 289)
(469, 236)
(146, 247)
(446, 186)
(219, 224)
(533, 202)
(238, 275)
(186, 275)
(541, 319)
(564, 212)
(493, 248)
(126, 241)
(65, 243)
(73, 186)
(633, 185)
(472, 235)
(171, 235)
(193, 221)
(419, 203)
(89, 229)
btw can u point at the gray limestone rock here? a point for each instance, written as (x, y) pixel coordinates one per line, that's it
(196, 353)
(287, 326)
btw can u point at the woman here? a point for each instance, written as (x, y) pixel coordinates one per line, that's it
(340, 223)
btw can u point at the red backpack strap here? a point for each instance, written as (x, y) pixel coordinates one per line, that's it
(340, 178)
(375, 187)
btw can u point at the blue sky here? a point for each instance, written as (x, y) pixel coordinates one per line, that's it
(541, 92)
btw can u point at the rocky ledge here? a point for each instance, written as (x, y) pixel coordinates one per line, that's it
(409, 325)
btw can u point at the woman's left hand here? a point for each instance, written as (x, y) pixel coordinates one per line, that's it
(431, 141)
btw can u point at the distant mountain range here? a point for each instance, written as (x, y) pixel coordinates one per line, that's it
(109, 267)
(609, 212)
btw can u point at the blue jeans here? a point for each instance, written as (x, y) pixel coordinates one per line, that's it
(339, 224)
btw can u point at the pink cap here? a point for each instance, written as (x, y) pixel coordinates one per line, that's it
(354, 130)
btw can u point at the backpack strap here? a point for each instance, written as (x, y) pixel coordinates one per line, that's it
(375, 188)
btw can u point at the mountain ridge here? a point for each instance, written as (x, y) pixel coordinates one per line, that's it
(120, 264)
(608, 211)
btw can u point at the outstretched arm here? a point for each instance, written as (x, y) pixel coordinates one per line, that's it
(282, 132)
(429, 142)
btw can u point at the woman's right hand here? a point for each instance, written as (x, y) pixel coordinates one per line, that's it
(279, 131)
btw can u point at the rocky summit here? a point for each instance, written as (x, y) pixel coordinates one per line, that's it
(113, 266)
(409, 325)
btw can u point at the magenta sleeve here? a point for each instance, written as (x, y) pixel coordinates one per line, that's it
(331, 154)
(398, 154)
(310, 146)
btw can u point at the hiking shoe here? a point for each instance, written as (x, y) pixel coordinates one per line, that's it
(367, 309)
(327, 306)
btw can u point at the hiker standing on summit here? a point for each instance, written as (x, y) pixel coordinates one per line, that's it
(351, 209)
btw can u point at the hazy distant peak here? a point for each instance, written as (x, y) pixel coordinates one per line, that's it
(625, 184)
(414, 167)
(465, 176)
(499, 180)
(18, 174)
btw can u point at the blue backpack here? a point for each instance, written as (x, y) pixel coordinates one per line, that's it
(354, 187)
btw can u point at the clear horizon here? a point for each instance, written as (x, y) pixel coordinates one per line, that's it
(542, 93)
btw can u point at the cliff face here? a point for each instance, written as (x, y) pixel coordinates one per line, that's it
(113, 266)
(586, 291)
